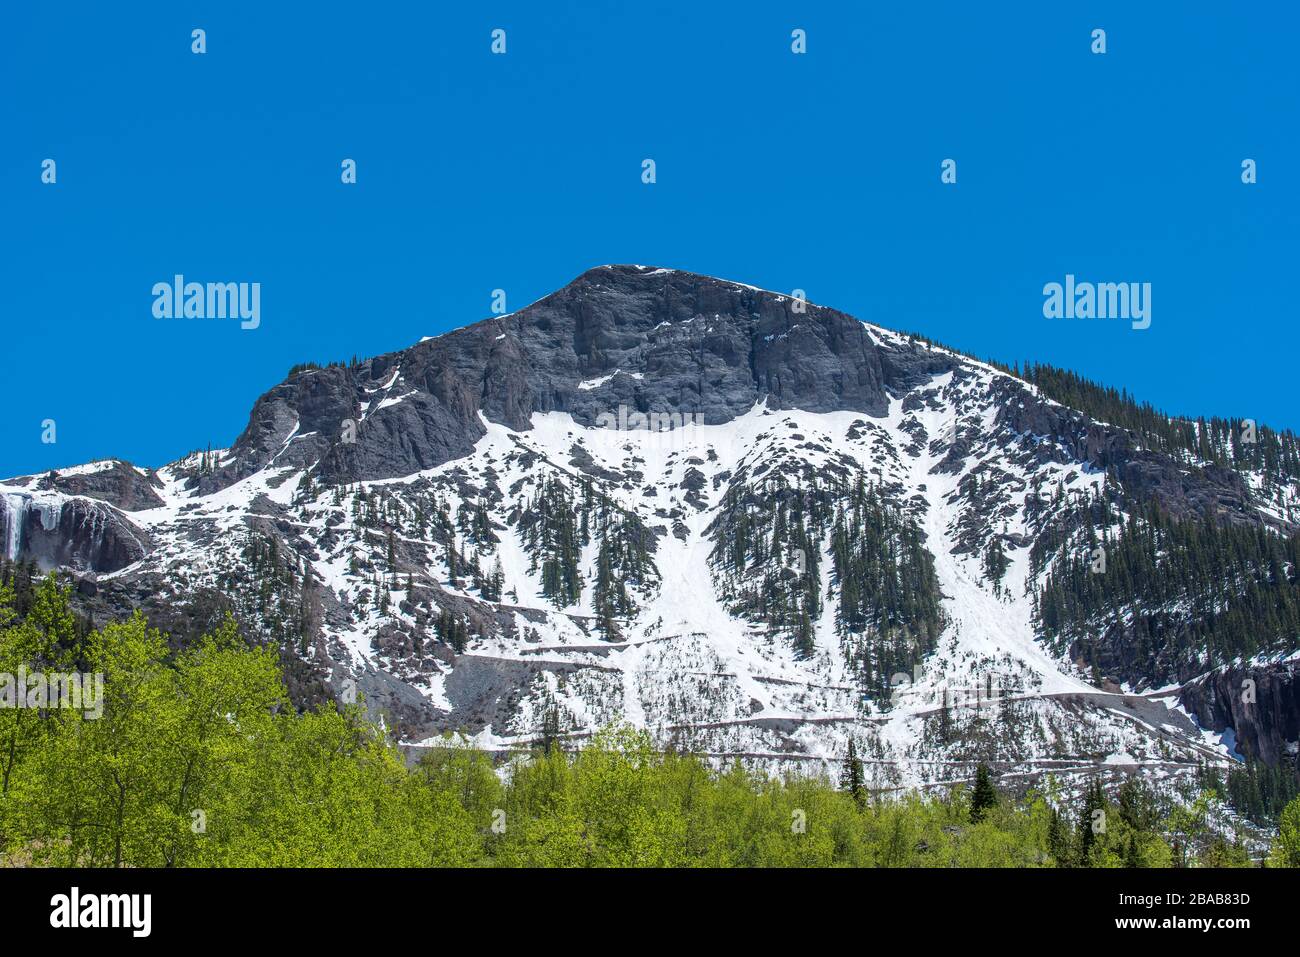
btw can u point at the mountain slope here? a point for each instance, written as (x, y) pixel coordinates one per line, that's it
(755, 525)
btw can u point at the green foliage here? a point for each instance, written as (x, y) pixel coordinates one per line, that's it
(197, 760)
(1220, 441)
(996, 562)
(770, 540)
(1174, 596)
(1286, 852)
(852, 778)
(984, 797)
(559, 521)
(1260, 792)
(311, 366)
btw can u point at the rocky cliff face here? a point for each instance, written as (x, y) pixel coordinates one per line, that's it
(661, 341)
(118, 483)
(1258, 704)
(1187, 490)
(755, 525)
(70, 533)
(658, 340)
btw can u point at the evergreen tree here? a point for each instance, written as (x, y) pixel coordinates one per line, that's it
(984, 797)
(852, 778)
(550, 728)
(1090, 822)
(995, 561)
(1132, 856)
(1058, 839)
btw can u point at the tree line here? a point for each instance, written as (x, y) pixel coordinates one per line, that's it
(199, 759)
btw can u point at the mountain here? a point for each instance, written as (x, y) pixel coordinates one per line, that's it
(757, 526)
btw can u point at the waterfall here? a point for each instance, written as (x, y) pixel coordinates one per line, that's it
(16, 507)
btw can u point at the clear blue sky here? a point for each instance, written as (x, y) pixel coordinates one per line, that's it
(477, 171)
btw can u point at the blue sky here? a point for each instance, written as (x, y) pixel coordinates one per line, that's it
(477, 172)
